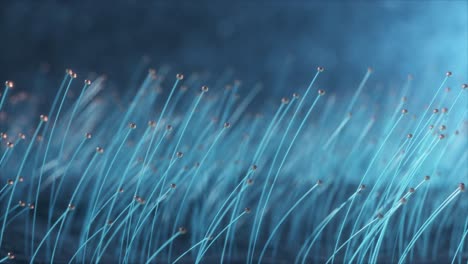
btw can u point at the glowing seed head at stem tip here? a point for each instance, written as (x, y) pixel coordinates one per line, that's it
(320, 69)
(151, 123)
(88, 135)
(180, 154)
(321, 92)
(180, 76)
(204, 88)
(182, 230)
(132, 125)
(247, 210)
(9, 84)
(461, 186)
(284, 100)
(404, 111)
(99, 150)
(44, 118)
(227, 125)
(173, 185)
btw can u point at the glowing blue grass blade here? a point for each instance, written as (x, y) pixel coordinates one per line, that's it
(199, 257)
(8, 86)
(122, 209)
(286, 215)
(460, 245)
(188, 250)
(20, 170)
(428, 222)
(256, 227)
(155, 254)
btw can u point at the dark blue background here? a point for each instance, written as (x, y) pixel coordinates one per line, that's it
(278, 43)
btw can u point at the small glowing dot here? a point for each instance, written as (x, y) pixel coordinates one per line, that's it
(247, 210)
(10, 255)
(464, 86)
(321, 92)
(404, 111)
(227, 125)
(22, 136)
(9, 84)
(71, 207)
(284, 100)
(410, 135)
(87, 82)
(10, 145)
(88, 135)
(427, 177)
(320, 69)
(180, 154)
(132, 125)
(44, 118)
(99, 150)
(296, 95)
(435, 111)
(180, 76)
(254, 167)
(448, 74)
(319, 182)
(173, 185)
(169, 128)
(10, 182)
(461, 186)
(182, 230)
(441, 136)
(204, 88)
(151, 123)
